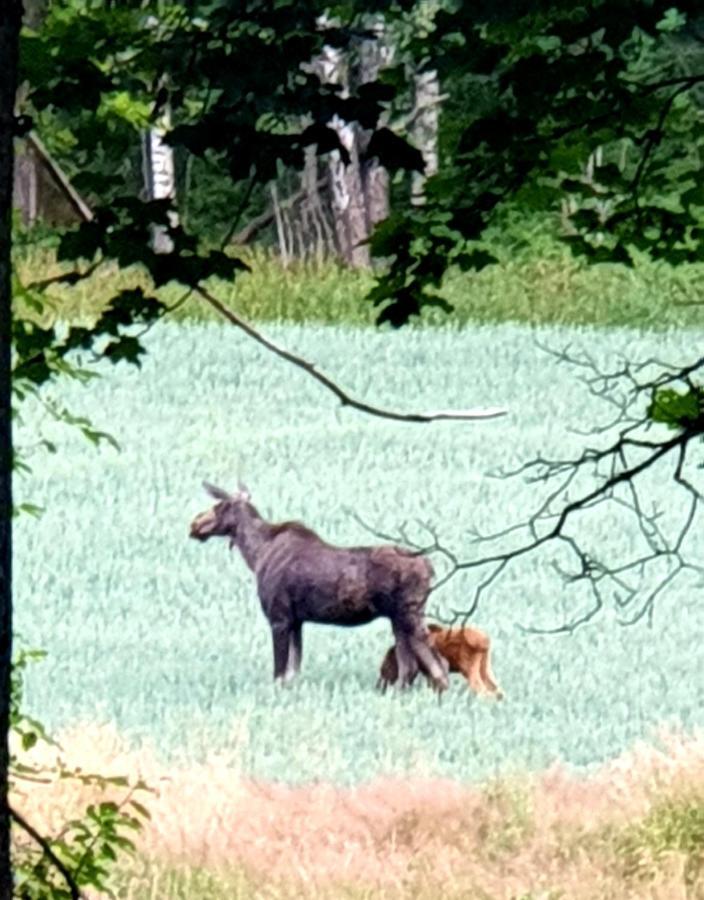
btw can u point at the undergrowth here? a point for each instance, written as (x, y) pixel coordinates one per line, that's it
(538, 286)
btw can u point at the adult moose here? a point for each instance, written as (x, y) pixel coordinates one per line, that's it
(301, 578)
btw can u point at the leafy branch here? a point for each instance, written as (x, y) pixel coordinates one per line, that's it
(83, 852)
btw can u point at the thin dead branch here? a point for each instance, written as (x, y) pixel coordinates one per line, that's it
(625, 390)
(618, 468)
(344, 398)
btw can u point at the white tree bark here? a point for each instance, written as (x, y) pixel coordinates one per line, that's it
(160, 177)
(159, 168)
(424, 130)
(359, 193)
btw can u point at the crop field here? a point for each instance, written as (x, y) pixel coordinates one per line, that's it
(164, 637)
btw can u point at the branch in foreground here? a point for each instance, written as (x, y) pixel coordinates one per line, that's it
(343, 396)
(623, 474)
(74, 890)
(402, 537)
(618, 485)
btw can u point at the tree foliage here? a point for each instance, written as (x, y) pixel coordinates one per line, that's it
(535, 89)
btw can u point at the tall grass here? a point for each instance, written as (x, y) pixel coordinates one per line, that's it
(630, 830)
(543, 285)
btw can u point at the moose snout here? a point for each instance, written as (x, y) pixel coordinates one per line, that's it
(203, 526)
(196, 530)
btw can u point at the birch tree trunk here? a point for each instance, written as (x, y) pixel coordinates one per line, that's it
(10, 21)
(424, 130)
(359, 192)
(160, 177)
(346, 191)
(159, 166)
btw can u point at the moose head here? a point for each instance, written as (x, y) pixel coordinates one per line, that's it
(223, 518)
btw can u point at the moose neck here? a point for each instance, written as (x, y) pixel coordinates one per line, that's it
(252, 535)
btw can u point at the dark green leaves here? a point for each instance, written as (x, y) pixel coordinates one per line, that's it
(393, 152)
(683, 411)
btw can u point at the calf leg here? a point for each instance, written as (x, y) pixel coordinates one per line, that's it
(471, 670)
(488, 677)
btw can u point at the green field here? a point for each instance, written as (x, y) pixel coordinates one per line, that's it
(165, 637)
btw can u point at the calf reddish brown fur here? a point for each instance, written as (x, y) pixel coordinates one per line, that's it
(465, 649)
(301, 578)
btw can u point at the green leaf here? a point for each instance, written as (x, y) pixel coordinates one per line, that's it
(678, 410)
(29, 739)
(125, 348)
(142, 810)
(30, 508)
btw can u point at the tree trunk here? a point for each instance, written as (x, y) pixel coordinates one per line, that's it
(359, 193)
(9, 38)
(425, 130)
(160, 176)
(347, 196)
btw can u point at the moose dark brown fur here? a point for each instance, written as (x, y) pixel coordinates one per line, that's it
(465, 649)
(301, 578)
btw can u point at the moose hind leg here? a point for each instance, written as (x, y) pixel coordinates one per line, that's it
(405, 659)
(429, 660)
(388, 673)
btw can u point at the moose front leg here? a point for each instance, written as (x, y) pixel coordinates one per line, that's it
(295, 651)
(281, 636)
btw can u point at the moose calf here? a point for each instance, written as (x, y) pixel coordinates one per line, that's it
(465, 649)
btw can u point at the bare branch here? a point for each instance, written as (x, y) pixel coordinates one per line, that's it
(68, 278)
(569, 627)
(419, 549)
(344, 398)
(617, 467)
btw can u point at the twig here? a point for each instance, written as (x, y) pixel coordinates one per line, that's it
(343, 396)
(244, 235)
(622, 473)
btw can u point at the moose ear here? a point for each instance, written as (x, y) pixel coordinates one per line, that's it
(216, 492)
(243, 491)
